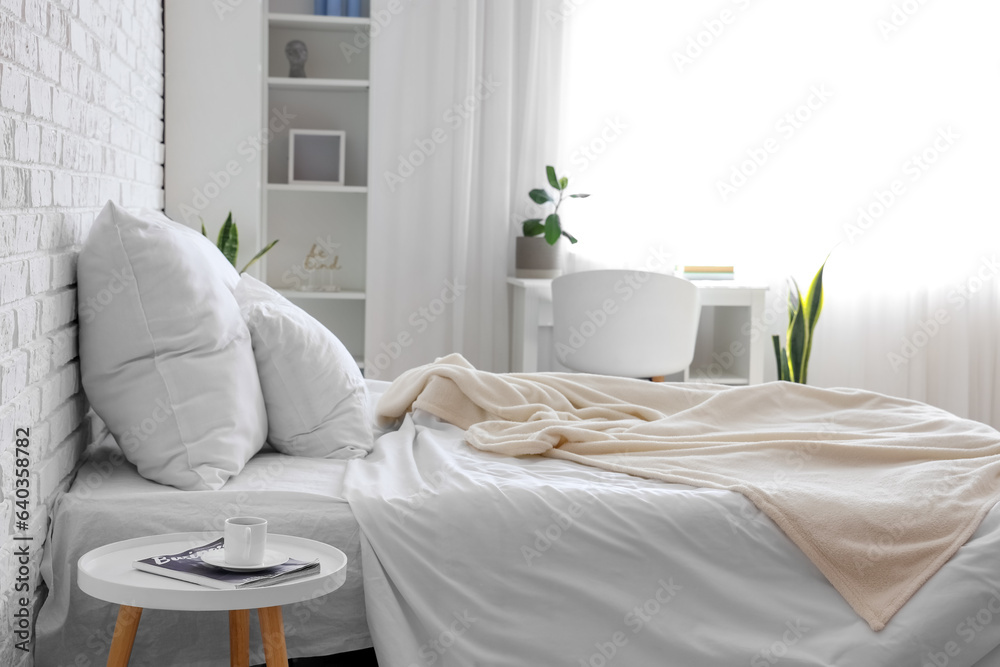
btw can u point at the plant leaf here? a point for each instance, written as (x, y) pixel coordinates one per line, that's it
(532, 227)
(204, 232)
(539, 196)
(563, 182)
(572, 239)
(229, 240)
(796, 340)
(553, 228)
(550, 172)
(785, 375)
(813, 307)
(579, 196)
(259, 255)
(779, 357)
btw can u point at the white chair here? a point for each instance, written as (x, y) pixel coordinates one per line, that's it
(625, 323)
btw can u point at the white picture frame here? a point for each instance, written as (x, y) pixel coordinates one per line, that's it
(316, 157)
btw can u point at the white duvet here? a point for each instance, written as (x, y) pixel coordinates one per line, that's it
(472, 558)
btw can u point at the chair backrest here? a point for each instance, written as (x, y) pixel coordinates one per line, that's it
(625, 323)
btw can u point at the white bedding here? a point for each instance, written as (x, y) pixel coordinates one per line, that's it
(298, 496)
(472, 558)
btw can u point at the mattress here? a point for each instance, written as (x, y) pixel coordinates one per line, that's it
(473, 558)
(108, 502)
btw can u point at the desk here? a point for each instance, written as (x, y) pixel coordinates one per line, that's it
(731, 334)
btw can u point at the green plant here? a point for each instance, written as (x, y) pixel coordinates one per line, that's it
(229, 242)
(552, 226)
(793, 360)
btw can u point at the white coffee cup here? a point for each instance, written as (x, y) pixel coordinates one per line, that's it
(245, 540)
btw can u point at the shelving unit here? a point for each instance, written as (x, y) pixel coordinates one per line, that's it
(332, 96)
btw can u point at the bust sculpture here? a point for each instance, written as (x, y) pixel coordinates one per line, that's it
(297, 54)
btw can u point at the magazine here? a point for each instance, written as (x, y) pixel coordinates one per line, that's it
(189, 566)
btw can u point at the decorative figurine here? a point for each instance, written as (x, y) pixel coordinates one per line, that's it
(297, 54)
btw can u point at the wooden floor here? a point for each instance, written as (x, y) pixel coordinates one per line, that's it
(365, 658)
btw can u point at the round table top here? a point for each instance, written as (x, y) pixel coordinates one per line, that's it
(106, 573)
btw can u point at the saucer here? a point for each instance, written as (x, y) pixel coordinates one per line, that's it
(217, 557)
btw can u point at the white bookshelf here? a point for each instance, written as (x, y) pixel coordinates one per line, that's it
(332, 96)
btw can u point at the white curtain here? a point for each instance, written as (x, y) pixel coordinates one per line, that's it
(768, 134)
(464, 98)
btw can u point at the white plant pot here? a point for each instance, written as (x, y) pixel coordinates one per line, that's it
(535, 258)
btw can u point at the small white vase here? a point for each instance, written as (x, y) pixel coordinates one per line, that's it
(535, 258)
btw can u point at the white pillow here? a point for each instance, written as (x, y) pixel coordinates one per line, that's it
(317, 401)
(165, 356)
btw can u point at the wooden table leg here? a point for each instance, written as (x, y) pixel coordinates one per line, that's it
(272, 631)
(124, 637)
(239, 638)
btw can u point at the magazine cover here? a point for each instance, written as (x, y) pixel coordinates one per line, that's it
(189, 566)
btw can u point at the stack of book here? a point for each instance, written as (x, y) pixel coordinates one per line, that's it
(337, 7)
(707, 272)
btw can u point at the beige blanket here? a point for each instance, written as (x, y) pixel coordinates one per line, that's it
(878, 492)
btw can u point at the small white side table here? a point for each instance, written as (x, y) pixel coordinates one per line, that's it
(107, 574)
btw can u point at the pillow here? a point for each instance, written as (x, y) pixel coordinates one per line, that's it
(317, 401)
(165, 357)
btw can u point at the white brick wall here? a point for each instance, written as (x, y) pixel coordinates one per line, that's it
(81, 122)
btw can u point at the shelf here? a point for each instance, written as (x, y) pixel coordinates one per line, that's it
(306, 187)
(311, 22)
(300, 294)
(342, 85)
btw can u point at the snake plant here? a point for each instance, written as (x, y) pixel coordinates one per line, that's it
(228, 242)
(803, 315)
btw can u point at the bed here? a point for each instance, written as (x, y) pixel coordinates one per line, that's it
(470, 541)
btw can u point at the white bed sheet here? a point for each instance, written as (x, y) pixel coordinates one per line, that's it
(107, 503)
(472, 558)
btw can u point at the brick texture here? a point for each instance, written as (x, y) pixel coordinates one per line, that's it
(81, 122)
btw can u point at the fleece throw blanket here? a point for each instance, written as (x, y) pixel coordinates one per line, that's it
(879, 492)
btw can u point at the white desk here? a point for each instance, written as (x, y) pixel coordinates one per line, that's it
(731, 335)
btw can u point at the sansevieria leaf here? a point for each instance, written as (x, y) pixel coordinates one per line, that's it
(813, 306)
(229, 240)
(258, 255)
(795, 340)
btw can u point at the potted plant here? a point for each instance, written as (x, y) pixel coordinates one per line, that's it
(228, 242)
(538, 254)
(803, 315)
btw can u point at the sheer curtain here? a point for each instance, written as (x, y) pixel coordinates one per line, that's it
(462, 103)
(767, 135)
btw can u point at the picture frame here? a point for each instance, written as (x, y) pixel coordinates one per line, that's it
(316, 157)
